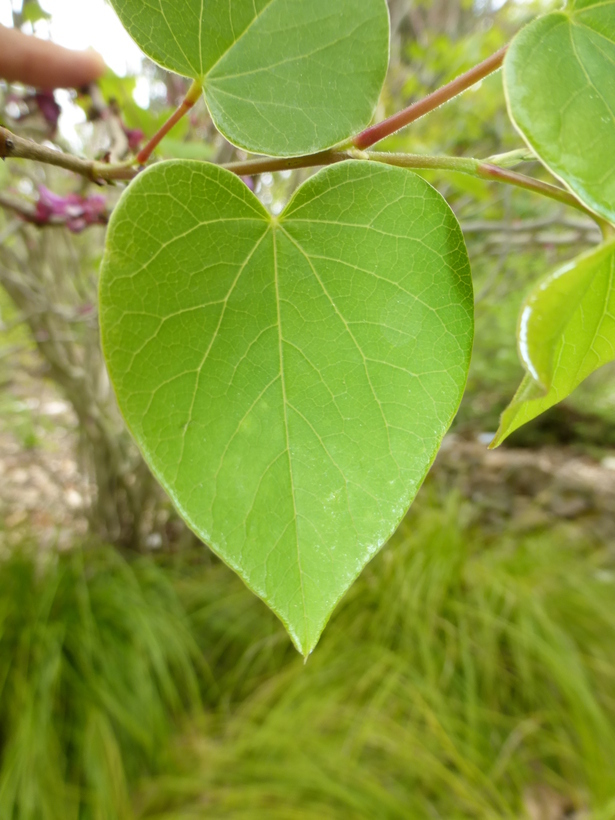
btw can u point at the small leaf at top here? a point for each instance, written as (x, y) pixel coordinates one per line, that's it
(281, 77)
(566, 331)
(32, 12)
(559, 79)
(289, 380)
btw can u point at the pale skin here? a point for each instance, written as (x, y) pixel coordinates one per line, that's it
(45, 65)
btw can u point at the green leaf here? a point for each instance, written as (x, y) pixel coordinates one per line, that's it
(32, 12)
(180, 149)
(566, 331)
(558, 76)
(289, 380)
(281, 77)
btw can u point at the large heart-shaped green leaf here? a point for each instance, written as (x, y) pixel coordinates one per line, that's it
(559, 79)
(566, 331)
(281, 77)
(289, 380)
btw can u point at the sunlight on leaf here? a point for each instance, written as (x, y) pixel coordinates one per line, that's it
(566, 331)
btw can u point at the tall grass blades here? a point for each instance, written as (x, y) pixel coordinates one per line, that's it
(458, 675)
(95, 659)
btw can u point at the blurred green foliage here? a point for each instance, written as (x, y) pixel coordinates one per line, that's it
(96, 658)
(15, 345)
(459, 672)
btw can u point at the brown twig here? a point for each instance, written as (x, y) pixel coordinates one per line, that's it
(194, 92)
(261, 165)
(418, 109)
(17, 147)
(493, 172)
(14, 147)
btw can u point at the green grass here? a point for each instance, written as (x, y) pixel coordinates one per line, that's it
(456, 674)
(95, 660)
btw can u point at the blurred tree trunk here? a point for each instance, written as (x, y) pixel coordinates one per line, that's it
(52, 282)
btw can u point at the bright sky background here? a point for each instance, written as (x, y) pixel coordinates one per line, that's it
(83, 24)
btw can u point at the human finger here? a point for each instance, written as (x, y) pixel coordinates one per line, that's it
(42, 64)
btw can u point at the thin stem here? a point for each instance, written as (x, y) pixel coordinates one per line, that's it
(422, 162)
(497, 174)
(262, 165)
(418, 109)
(482, 170)
(419, 162)
(14, 147)
(512, 158)
(190, 99)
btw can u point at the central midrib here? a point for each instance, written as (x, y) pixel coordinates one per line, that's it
(274, 228)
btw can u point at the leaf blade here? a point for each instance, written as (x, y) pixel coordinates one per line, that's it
(561, 98)
(567, 331)
(326, 377)
(280, 77)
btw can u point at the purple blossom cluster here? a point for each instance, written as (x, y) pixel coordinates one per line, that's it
(77, 211)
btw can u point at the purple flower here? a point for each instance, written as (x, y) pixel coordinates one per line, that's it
(49, 108)
(134, 135)
(77, 211)
(42, 102)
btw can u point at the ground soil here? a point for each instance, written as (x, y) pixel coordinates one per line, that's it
(44, 493)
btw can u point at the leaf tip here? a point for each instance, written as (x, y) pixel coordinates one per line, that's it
(497, 440)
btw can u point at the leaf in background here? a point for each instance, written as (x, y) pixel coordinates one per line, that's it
(281, 77)
(289, 380)
(566, 331)
(191, 149)
(559, 78)
(32, 12)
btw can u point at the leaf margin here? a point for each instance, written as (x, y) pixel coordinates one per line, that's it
(160, 474)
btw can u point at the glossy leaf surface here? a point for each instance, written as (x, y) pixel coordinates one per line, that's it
(566, 331)
(289, 380)
(281, 77)
(559, 79)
